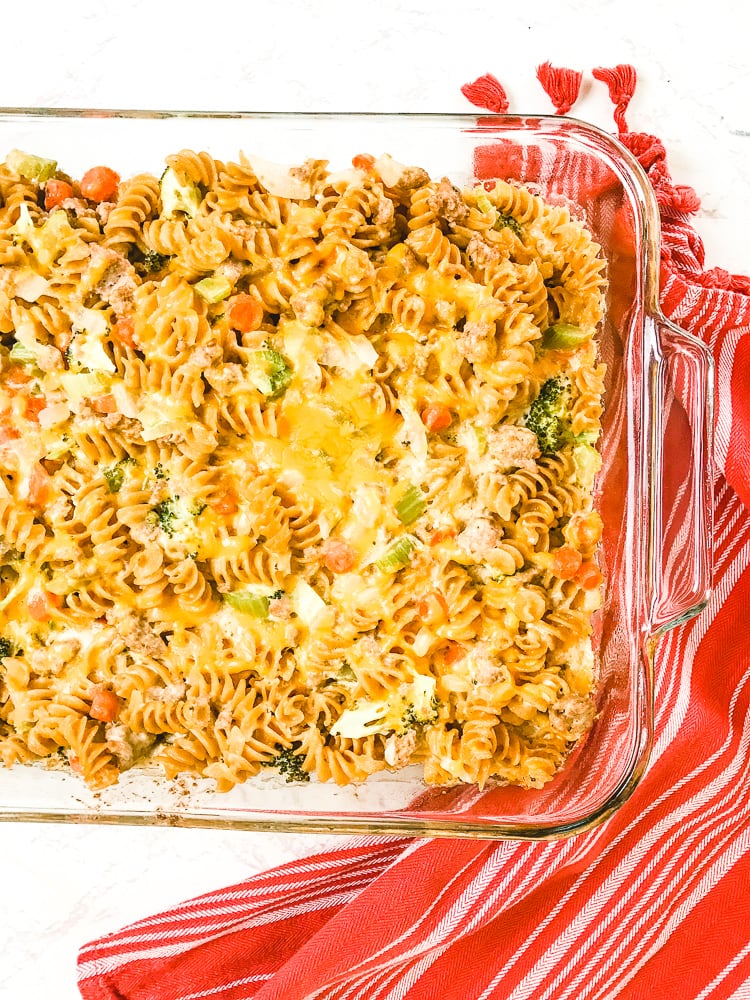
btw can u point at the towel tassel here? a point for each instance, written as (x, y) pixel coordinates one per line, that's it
(487, 92)
(620, 81)
(561, 85)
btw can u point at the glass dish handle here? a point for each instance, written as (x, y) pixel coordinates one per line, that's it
(682, 475)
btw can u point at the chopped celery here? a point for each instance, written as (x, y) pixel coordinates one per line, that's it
(79, 385)
(564, 337)
(480, 433)
(249, 604)
(33, 168)
(213, 289)
(56, 449)
(484, 204)
(411, 505)
(397, 555)
(21, 355)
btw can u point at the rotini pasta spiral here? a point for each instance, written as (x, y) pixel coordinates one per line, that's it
(296, 470)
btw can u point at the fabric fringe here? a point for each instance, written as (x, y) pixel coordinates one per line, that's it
(620, 81)
(487, 92)
(561, 85)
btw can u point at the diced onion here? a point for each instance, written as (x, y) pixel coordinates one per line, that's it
(415, 432)
(351, 355)
(30, 286)
(52, 415)
(125, 402)
(277, 179)
(308, 604)
(424, 640)
(390, 170)
(361, 721)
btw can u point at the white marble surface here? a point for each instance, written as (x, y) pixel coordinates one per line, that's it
(63, 885)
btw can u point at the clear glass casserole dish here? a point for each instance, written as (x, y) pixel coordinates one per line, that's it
(653, 490)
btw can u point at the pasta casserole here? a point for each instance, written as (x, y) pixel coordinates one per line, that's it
(297, 470)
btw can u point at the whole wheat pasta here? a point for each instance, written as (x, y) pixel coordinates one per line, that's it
(296, 470)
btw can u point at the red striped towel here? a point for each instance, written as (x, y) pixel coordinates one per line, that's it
(656, 902)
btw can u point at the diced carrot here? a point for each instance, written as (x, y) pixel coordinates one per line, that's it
(34, 406)
(124, 331)
(454, 651)
(8, 434)
(75, 764)
(589, 576)
(442, 535)
(338, 556)
(104, 404)
(39, 481)
(16, 378)
(283, 426)
(224, 503)
(244, 313)
(104, 705)
(433, 606)
(566, 561)
(55, 192)
(436, 417)
(41, 603)
(99, 184)
(363, 161)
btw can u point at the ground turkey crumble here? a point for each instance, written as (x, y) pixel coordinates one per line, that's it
(447, 202)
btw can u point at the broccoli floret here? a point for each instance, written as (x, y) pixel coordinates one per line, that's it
(290, 765)
(279, 373)
(163, 515)
(509, 221)
(549, 416)
(412, 719)
(115, 474)
(115, 477)
(153, 261)
(7, 648)
(269, 372)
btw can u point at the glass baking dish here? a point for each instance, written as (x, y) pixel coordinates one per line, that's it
(653, 492)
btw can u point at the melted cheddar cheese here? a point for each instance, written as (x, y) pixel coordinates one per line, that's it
(271, 485)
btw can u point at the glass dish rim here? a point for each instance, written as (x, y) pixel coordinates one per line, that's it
(648, 256)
